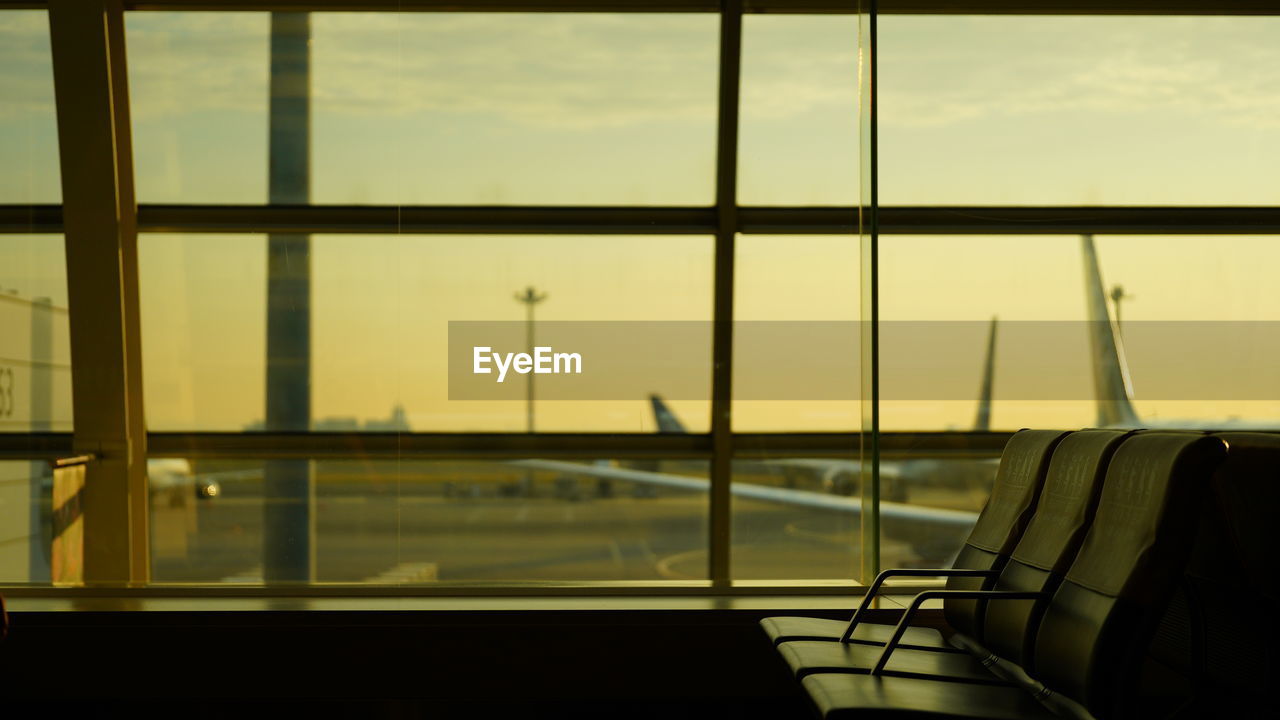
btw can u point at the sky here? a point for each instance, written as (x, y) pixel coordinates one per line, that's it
(620, 109)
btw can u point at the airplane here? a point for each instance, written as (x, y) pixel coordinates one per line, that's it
(941, 517)
(897, 477)
(1113, 394)
(1113, 387)
(168, 475)
(934, 533)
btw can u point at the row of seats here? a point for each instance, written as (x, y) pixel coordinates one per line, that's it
(1078, 561)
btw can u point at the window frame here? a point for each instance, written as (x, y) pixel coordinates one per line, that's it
(108, 419)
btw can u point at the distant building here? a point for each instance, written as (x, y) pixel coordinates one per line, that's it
(397, 422)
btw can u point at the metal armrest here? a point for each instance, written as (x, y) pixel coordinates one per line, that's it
(905, 572)
(920, 600)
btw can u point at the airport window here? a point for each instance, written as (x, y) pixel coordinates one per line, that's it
(435, 108)
(1196, 327)
(28, 131)
(796, 294)
(525, 520)
(35, 362)
(381, 309)
(1125, 110)
(799, 89)
(323, 196)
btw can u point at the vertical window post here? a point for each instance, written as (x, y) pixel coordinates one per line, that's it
(722, 310)
(100, 223)
(869, 234)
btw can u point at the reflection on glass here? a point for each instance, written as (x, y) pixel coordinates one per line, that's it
(25, 517)
(798, 132)
(35, 356)
(420, 522)
(802, 278)
(28, 124)
(435, 108)
(381, 307)
(1044, 109)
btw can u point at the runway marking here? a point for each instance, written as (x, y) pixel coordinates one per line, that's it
(345, 500)
(252, 576)
(406, 573)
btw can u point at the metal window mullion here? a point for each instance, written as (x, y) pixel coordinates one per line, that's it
(870, 307)
(488, 446)
(953, 7)
(720, 524)
(658, 220)
(99, 218)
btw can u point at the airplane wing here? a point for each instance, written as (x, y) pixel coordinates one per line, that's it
(953, 519)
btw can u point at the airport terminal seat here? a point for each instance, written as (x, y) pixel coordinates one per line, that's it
(1215, 654)
(1035, 568)
(1099, 623)
(999, 526)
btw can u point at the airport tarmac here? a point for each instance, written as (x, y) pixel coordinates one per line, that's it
(492, 522)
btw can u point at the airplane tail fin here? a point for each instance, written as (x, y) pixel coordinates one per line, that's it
(666, 420)
(982, 422)
(1111, 384)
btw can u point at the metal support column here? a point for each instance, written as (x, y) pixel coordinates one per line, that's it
(720, 527)
(869, 232)
(100, 225)
(41, 420)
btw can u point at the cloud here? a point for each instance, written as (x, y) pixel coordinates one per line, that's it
(573, 70)
(26, 81)
(1227, 70)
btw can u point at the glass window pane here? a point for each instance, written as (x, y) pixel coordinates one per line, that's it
(35, 393)
(35, 353)
(1200, 327)
(798, 290)
(380, 313)
(792, 537)
(28, 123)
(1119, 110)
(435, 108)
(798, 296)
(198, 96)
(421, 522)
(26, 490)
(1197, 318)
(939, 295)
(808, 527)
(798, 131)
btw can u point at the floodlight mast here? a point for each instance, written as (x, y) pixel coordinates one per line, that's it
(529, 298)
(1117, 295)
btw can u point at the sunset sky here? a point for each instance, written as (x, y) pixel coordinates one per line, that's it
(582, 109)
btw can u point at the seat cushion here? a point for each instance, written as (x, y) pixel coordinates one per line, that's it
(867, 696)
(785, 629)
(806, 657)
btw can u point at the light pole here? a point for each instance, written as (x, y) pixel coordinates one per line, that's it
(1118, 294)
(529, 298)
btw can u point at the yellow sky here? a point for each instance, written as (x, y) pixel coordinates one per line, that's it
(600, 109)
